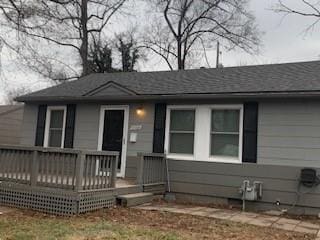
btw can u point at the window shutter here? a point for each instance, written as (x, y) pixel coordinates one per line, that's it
(69, 130)
(250, 127)
(41, 125)
(159, 127)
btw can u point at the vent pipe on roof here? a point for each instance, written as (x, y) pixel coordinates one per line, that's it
(218, 64)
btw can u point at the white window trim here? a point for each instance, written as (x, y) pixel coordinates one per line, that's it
(47, 127)
(201, 152)
(167, 132)
(226, 159)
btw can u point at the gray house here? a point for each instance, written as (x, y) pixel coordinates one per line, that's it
(217, 128)
(10, 124)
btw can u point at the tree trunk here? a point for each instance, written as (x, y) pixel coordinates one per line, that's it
(180, 63)
(84, 38)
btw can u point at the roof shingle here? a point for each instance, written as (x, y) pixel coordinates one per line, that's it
(273, 78)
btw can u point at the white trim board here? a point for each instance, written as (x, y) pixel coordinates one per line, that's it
(125, 108)
(201, 151)
(47, 126)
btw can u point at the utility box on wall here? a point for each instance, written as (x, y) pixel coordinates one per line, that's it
(251, 192)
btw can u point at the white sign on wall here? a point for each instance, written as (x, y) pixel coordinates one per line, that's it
(135, 127)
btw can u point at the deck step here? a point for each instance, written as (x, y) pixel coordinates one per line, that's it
(128, 190)
(134, 199)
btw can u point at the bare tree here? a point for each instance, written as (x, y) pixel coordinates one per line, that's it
(69, 24)
(185, 26)
(308, 8)
(11, 94)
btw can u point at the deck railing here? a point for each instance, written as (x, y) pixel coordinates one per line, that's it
(151, 168)
(58, 168)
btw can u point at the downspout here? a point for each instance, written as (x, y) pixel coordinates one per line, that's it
(167, 173)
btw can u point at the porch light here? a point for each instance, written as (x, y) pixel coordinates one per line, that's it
(140, 111)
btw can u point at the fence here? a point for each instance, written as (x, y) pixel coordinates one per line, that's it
(151, 169)
(58, 168)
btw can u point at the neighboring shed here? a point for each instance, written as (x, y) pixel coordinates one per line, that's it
(10, 124)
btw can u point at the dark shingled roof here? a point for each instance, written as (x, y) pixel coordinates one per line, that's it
(293, 78)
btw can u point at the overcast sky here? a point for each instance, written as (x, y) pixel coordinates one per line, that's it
(284, 40)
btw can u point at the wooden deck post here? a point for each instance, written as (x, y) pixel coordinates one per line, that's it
(79, 171)
(140, 166)
(34, 168)
(113, 173)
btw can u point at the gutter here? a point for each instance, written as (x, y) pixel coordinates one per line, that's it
(250, 95)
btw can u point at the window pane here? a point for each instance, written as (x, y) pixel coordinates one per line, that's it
(181, 143)
(55, 138)
(225, 120)
(56, 120)
(225, 144)
(182, 120)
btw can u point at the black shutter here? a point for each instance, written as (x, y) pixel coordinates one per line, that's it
(159, 127)
(69, 130)
(41, 125)
(250, 127)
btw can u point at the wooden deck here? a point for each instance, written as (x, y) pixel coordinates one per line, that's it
(69, 182)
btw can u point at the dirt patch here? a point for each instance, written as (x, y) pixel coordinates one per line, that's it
(198, 227)
(124, 223)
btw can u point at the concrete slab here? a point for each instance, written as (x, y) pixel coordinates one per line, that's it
(269, 218)
(256, 219)
(248, 214)
(177, 210)
(222, 214)
(288, 221)
(309, 225)
(178, 206)
(284, 226)
(305, 230)
(273, 213)
(196, 208)
(242, 218)
(211, 210)
(261, 222)
(201, 213)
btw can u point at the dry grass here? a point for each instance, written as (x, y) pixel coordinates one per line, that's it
(121, 223)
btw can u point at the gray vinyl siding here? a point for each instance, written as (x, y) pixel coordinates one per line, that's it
(10, 126)
(145, 134)
(29, 124)
(87, 127)
(289, 133)
(224, 180)
(87, 130)
(288, 130)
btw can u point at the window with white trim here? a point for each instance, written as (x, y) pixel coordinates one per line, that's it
(204, 132)
(55, 127)
(182, 131)
(224, 136)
